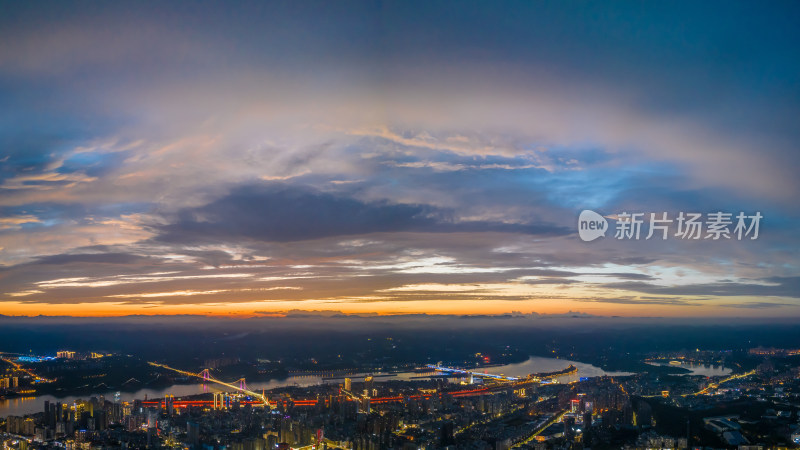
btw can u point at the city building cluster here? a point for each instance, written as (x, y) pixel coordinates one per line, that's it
(754, 409)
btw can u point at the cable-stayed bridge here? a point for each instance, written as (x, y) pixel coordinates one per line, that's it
(240, 384)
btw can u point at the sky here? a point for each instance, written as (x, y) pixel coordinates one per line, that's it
(255, 158)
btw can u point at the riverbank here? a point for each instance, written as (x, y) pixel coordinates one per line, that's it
(533, 364)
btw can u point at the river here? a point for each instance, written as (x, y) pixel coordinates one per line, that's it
(534, 364)
(706, 370)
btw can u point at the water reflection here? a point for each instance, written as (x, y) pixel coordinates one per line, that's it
(706, 370)
(535, 364)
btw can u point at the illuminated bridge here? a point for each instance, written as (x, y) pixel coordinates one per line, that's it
(241, 386)
(261, 399)
(313, 402)
(467, 372)
(518, 381)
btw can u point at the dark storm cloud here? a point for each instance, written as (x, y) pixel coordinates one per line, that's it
(286, 213)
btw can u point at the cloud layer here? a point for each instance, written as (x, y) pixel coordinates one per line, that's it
(398, 158)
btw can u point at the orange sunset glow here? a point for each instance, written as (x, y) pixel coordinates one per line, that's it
(236, 166)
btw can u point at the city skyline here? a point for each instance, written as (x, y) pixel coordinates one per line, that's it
(395, 158)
